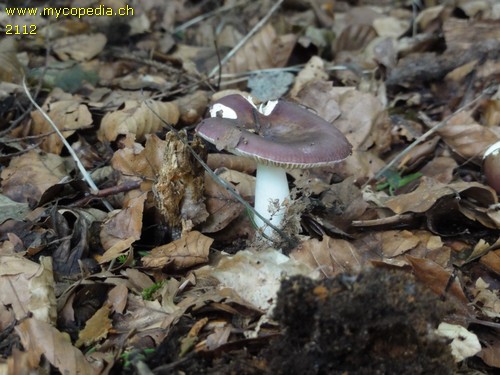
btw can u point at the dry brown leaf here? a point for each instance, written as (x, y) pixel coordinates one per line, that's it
(466, 137)
(359, 110)
(438, 279)
(262, 51)
(80, 47)
(126, 224)
(188, 251)
(117, 298)
(138, 118)
(192, 107)
(429, 191)
(68, 114)
(11, 69)
(486, 300)
(96, 328)
(29, 175)
(330, 256)
(313, 71)
(39, 338)
(28, 287)
(141, 161)
(492, 261)
(397, 242)
(222, 207)
(490, 353)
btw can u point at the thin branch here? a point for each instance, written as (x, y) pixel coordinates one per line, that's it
(245, 39)
(86, 176)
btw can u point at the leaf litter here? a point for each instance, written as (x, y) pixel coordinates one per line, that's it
(159, 268)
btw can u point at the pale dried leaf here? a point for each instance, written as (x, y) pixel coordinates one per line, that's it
(255, 276)
(11, 69)
(222, 207)
(138, 118)
(96, 328)
(466, 137)
(40, 338)
(126, 224)
(190, 250)
(29, 175)
(79, 47)
(262, 51)
(330, 256)
(486, 300)
(68, 115)
(117, 298)
(28, 287)
(313, 71)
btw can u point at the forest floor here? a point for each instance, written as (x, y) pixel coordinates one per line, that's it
(127, 242)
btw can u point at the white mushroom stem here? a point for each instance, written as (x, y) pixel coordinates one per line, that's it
(271, 191)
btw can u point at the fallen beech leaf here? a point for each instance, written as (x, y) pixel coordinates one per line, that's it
(254, 276)
(79, 47)
(192, 107)
(188, 251)
(492, 261)
(28, 287)
(330, 256)
(117, 298)
(313, 71)
(11, 69)
(68, 114)
(29, 175)
(437, 278)
(124, 224)
(486, 300)
(96, 328)
(12, 210)
(39, 338)
(262, 51)
(397, 242)
(139, 118)
(466, 137)
(222, 207)
(490, 354)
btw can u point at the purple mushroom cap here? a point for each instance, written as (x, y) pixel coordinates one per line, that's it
(290, 136)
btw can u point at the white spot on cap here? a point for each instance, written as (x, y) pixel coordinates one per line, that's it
(267, 109)
(221, 110)
(492, 150)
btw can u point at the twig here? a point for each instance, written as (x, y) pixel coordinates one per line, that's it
(245, 39)
(431, 131)
(86, 176)
(198, 19)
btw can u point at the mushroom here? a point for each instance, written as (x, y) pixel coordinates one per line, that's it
(491, 166)
(279, 135)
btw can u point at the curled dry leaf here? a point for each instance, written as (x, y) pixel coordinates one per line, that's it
(138, 118)
(264, 50)
(125, 224)
(11, 69)
(96, 328)
(28, 287)
(192, 107)
(79, 47)
(29, 175)
(466, 137)
(313, 71)
(40, 338)
(68, 115)
(222, 207)
(188, 251)
(330, 256)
